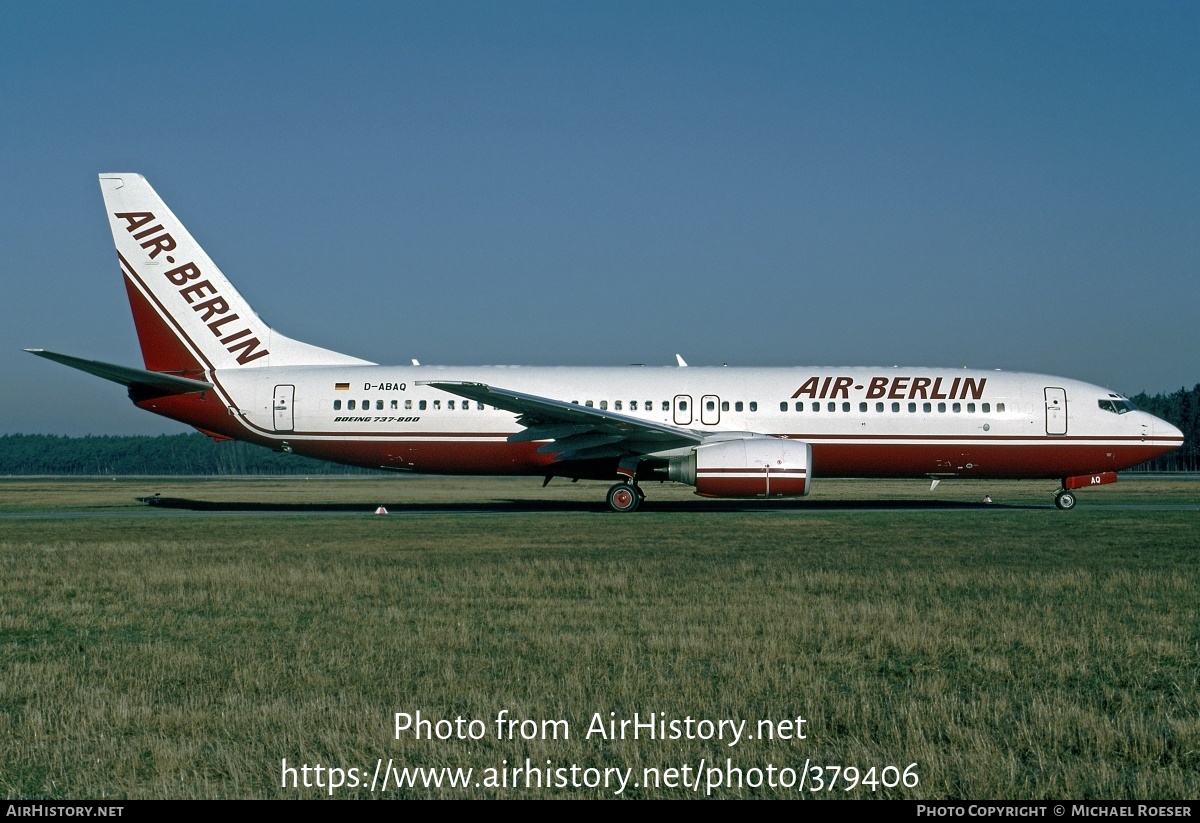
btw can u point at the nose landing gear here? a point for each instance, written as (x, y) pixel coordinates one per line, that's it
(1064, 498)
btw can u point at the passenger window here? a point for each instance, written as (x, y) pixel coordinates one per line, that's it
(724, 405)
(603, 405)
(942, 407)
(832, 407)
(350, 405)
(895, 407)
(957, 407)
(683, 405)
(862, 407)
(396, 404)
(588, 403)
(846, 406)
(971, 408)
(437, 404)
(737, 406)
(408, 404)
(816, 407)
(450, 405)
(987, 408)
(711, 405)
(666, 405)
(617, 405)
(633, 405)
(479, 406)
(999, 408)
(422, 405)
(366, 405)
(782, 406)
(753, 405)
(912, 408)
(878, 407)
(799, 405)
(926, 407)
(337, 405)
(378, 405)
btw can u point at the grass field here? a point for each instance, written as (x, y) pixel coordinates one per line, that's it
(1011, 651)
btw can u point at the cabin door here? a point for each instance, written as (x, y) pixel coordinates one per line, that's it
(683, 409)
(284, 397)
(710, 410)
(1056, 411)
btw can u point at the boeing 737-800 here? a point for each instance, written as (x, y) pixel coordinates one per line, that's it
(212, 363)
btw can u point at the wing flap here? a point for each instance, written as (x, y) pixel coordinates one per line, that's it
(543, 432)
(580, 442)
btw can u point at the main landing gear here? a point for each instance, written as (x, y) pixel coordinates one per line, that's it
(625, 497)
(1064, 499)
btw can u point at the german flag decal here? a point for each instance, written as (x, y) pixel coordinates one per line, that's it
(341, 387)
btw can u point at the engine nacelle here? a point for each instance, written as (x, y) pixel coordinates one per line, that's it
(750, 467)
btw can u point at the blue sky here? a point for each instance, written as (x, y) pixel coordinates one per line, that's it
(1000, 185)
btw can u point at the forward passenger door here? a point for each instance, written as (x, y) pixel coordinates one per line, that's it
(1056, 411)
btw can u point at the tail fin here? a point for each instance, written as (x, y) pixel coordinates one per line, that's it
(189, 317)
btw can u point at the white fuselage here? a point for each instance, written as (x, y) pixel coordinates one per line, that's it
(872, 422)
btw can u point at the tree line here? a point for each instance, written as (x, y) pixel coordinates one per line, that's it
(184, 454)
(200, 455)
(1182, 409)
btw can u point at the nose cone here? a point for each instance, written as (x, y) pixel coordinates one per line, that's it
(1165, 431)
(1165, 437)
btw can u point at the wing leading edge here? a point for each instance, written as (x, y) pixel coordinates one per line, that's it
(575, 432)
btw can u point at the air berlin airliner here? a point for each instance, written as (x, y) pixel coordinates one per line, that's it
(212, 363)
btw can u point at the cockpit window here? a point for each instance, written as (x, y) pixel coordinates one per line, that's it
(1117, 405)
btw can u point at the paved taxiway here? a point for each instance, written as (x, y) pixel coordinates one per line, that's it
(523, 507)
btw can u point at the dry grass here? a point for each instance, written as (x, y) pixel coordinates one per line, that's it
(1010, 653)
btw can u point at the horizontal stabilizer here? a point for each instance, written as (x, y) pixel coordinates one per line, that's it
(168, 383)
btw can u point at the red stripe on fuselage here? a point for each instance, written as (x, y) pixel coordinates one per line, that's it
(1048, 460)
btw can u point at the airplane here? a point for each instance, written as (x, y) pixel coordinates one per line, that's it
(211, 362)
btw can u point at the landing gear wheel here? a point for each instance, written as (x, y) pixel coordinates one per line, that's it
(625, 497)
(1065, 500)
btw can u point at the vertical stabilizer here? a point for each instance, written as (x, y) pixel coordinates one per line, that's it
(189, 317)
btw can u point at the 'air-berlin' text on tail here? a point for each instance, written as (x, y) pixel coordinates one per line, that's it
(189, 317)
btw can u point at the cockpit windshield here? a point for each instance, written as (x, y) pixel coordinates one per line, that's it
(1117, 405)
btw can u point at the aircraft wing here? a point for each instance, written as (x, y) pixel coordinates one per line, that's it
(126, 376)
(576, 432)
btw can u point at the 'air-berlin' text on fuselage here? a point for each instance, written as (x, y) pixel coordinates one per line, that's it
(894, 388)
(214, 312)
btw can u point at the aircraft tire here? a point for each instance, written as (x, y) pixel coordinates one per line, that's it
(1065, 500)
(624, 497)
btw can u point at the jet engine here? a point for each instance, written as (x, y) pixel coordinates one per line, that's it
(749, 467)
